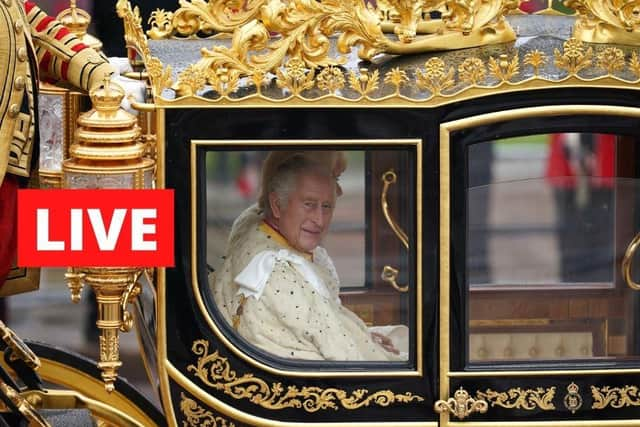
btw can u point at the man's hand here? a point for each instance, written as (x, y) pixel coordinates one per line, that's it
(133, 88)
(385, 342)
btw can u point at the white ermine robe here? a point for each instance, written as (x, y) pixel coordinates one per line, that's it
(286, 302)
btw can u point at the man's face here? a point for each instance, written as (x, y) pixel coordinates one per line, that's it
(305, 219)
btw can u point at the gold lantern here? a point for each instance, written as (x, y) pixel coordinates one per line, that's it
(108, 154)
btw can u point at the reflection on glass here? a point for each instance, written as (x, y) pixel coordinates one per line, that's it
(549, 218)
(275, 280)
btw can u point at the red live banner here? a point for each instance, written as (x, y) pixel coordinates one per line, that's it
(97, 228)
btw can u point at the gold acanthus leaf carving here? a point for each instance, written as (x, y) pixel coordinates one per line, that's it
(216, 372)
(573, 58)
(518, 398)
(200, 16)
(305, 26)
(616, 397)
(198, 416)
(135, 38)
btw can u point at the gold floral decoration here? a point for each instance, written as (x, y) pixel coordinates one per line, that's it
(502, 68)
(535, 59)
(223, 80)
(365, 83)
(159, 76)
(518, 398)
(330, 79)
(296, 77)
(258, 79)
(198, 416)
(573, 58)
(215, 371)
(634, 64)
(616, 397)
(397, 78)
(611, 59)
(435, 77)
(472, 71)
(192, 79)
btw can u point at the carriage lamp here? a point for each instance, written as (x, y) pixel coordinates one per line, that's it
(108, 154)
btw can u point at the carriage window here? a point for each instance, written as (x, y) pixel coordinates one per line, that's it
(549, 218)
(298, 242)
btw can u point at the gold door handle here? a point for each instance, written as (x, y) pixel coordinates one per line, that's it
(390, 274)
(626, 263)
(461, 405)
(388, 178)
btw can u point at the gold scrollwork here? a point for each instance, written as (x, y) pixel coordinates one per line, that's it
(461, 405)
(198, 416)
(216, 372)
(200, 16)
(607, 21)
(135, 38)
(518, 398)
(616, 397)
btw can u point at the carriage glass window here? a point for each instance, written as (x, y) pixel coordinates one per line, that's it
(549, 218)
(307, 262)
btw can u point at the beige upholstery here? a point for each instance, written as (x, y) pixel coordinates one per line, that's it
(530, 346)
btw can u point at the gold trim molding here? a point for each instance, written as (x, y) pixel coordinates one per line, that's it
(616, 397)
(519, 398)
(216, 372)
(195, 415)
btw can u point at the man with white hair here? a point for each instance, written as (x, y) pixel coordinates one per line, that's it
(278, 287)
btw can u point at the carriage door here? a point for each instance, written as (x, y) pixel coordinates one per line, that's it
(539, 316)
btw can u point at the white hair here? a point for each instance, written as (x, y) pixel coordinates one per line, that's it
(285, 179)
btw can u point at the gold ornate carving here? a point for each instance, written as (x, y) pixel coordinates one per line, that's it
(573, 400)
(304, 28)
(435, 77)
(461, 405)
(616, 397)
(135, 38)
(215, 371)
(627, 262)
(535, 59)
(198, 416)
(364, 83)
(518, 398)
(573, 58)
(200, 16)
(607, 21)
(472, 71)
(611, 59)
(502, 68)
